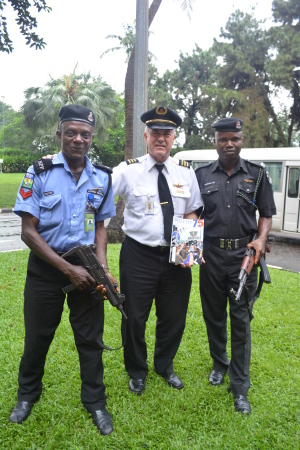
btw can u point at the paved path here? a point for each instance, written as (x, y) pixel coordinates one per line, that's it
(285, 248)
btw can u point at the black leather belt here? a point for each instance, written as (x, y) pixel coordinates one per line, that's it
(229, 244)
(156, 250)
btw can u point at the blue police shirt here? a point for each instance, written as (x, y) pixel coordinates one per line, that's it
(59, 202)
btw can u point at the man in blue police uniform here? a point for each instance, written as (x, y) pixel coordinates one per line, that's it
(63, 203)
(232, 189)
(154, 187)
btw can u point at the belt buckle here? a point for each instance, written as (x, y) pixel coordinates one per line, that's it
(228, 244)
(222, 243)
(236, 244)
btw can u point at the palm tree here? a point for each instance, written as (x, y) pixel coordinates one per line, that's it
(114, 231)
(42, 104)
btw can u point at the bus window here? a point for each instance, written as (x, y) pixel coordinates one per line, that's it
(275, 171)
(293, 187)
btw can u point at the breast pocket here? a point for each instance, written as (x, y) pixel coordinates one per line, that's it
(50, 211)
(180, 197)
(141, 194)
(211, 197)
(245, 194)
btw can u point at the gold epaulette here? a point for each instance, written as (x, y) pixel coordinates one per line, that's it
(131, 161)
(183, 163)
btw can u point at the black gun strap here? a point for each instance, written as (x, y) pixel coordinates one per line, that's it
(106, 193)
(123, 333)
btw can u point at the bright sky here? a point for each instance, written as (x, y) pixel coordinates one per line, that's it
(75, 33)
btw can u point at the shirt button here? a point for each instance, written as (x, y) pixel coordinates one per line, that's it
(74, 215)
(228, 206)
(228, 182)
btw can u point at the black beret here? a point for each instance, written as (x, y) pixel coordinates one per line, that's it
(228, 124)
(161, 117)
(78, 113)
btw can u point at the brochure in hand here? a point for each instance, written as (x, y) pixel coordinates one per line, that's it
(186, 241)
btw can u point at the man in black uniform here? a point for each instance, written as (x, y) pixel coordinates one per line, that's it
(232, 189)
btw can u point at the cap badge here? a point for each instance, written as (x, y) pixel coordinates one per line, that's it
(238, 124)
(90, 117)
(161, 110)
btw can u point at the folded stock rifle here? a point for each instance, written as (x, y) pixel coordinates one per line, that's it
(88, 257)
(246, 267)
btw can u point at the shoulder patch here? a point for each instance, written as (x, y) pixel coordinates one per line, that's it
(41, 165)
(44, 164)
(131, 161)
(102, 167)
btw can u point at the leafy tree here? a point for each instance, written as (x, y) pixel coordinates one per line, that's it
(25, 21)
(244, 51)
(285, 56)
(43, 103)
(192, 91)
(14, 133)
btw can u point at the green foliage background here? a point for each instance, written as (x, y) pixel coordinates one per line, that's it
(197, 417)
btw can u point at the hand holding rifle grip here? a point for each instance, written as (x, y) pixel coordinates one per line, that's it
(86, 253)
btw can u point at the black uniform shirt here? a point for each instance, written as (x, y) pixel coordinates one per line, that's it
(226, 214)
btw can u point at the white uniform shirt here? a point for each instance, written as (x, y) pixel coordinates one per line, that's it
(136, 183)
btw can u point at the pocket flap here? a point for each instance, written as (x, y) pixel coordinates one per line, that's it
(144, 190)
(50, 201)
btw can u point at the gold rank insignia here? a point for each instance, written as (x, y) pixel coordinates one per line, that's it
(183, 163)
(248, 181)
(178, 185)
(132, 161)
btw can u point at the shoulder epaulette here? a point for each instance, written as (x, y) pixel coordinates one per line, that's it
(131, 161)
(44, 164)
(255, 163)
(102, 167)
(203, 166)
(183, 163)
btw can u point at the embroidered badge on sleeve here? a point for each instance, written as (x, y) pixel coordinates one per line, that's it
(26, 186)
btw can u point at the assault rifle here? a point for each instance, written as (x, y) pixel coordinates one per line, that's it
(87, 255)
(246, 267)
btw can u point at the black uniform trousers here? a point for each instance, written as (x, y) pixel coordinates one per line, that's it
(43, 307)
(217, 277)
(146, 274)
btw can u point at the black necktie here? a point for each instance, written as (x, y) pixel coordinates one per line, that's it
(166, 202)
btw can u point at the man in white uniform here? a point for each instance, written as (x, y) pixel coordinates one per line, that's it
(155, 187)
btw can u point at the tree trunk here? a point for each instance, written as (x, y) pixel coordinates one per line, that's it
(272, 114)
(114, 231)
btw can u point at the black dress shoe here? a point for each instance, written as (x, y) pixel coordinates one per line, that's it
(136, 386)
(102, 420)
(20, 412)
(242, 404)
(216, 378)
(173, 380)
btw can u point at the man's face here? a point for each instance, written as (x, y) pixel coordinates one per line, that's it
(76, 139)
(159, 143)
(228, 145)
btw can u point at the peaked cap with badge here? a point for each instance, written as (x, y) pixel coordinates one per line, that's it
(77, 113)
(228, 124)
(162, 118)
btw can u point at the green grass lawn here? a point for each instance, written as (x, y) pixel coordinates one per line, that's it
(197, 417)
(9, 185)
